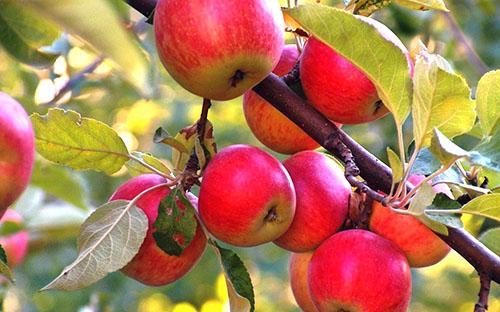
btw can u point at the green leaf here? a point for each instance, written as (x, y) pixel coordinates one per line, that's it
(396, 165)
(162, 136)
(109, 238)
(356, 39)
(10, 227)
(491, 239)
(487, 153)
(66, 138)
(488, 101)
(59, 182)
(471, 190)
(136, 168)
(423, 198)
(239, 284)
(425, 163)
(440, 100)
(445, 150)
(487, 206)
(23, 33)
(443, 202)
(4, 268)
(186, 136)
(423, 5)
(97, 22)
(176, 223)
(200, 153)
(366, 7)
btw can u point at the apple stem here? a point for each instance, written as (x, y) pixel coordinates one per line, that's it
(237, 78)
(272, 215)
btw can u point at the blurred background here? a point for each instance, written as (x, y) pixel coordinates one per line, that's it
(59, 199)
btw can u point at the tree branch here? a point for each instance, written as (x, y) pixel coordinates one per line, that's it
(484, 292)
(375, 172)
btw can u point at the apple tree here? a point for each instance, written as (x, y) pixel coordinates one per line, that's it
(174, 139)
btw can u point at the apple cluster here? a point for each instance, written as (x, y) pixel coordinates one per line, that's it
(248, 197)
(17, 152)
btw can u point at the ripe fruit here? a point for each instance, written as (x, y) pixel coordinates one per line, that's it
(17, 151)
(219, 49)
(357, 270)
(322, 200)
(269, 125)
(421, 246)
(152, 266)
(246, 196)
(15, 244)
(338, 88)
(299, 263)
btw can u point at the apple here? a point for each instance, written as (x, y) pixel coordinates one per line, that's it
(269, 125)
(299, 263)
(14, 244)
(357, 270)
(219, 49)
(322, 200)
(421, 246)
(17, 151)
(336, 87)
(246, 197)
(152, 266)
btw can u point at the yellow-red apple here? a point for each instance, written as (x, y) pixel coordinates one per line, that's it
(270, 126)
(357, 270)
(339, 89)
(152, 266)
(246, 197)
(299, 263)
(219, 49)
(322, 200)
(14, 244)
(17, 150)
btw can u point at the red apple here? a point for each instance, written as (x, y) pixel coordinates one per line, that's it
(421, 246)
(322, 200)
(219, 49)
(269, 125)
(299, 263)
(246, 196)
(336, 87)
(17, 150)
(357, 270)
(152, 266)
(15, 244)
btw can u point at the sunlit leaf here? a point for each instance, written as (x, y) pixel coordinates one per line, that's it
(396, 165)
(423, 198)
(23, 32)
(97, 22)
(136, 168)
(440, 100)
(108, 240)
(162, 136)
(366, 7)
(68, 139)
(361, 43)
(488, 101)
(445, 150)
(486, 206)
(423, 5)
(176, 223)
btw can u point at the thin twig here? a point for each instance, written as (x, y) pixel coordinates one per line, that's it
(484, 292)
(472, 55)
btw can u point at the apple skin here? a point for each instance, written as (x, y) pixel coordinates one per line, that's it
(269, 125)
(299, 263)
(15, 244)
(152, 266)
(219, 49)
(421, 246)
(17, 151)
(336, 87)
(357, 270)
(322, 200)
(246, 197)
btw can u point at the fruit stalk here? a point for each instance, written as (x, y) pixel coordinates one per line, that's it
(375, 172)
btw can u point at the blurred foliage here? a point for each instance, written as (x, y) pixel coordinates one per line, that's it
(53, 217)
